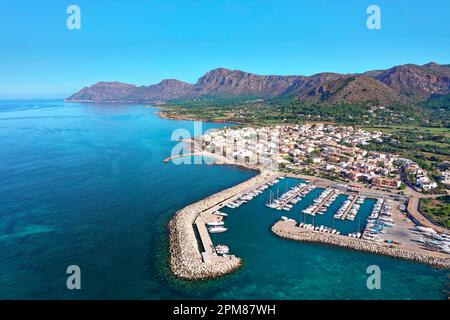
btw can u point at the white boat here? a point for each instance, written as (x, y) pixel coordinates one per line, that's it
(222, 249)
(215, 223)
(219, 213)
(217, 229)
(424, 229)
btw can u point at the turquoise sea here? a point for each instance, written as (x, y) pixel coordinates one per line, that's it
(85, 184)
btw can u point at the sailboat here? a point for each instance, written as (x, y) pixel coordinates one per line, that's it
(269, 203)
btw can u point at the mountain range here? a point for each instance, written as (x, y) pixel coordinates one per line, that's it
(401, 84)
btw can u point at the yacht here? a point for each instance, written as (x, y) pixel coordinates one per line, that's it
(219, 213)
(217, 229)
(215, 223)
(222, 249)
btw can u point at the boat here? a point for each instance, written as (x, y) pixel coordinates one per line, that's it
(217, 229)
(222, 249)
(215, 223)
(219, 213)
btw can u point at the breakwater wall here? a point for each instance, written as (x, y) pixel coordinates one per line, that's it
(186, 260)
(288, 230)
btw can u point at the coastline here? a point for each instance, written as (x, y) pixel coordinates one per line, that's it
(164, 115)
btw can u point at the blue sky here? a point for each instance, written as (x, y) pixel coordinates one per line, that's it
(142, 42)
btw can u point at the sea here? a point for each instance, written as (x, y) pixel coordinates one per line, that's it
(85, 184)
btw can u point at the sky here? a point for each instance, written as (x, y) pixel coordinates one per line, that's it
(144, 41)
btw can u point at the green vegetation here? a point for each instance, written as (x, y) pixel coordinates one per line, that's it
(417, 132)
(437, 210)
(288, 109)
(429, 147)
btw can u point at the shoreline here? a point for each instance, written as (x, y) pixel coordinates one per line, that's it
(288, 230)
(164, 115)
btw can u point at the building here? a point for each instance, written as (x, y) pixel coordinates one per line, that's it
(445, 177)
(384, 182)
(425, 183)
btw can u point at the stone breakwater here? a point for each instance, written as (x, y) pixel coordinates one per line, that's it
(185, 257)
(288, 230)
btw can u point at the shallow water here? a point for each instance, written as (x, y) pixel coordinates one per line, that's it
(85, 184)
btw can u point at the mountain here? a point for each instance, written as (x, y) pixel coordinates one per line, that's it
(417, 82)
(104, 91)
(165, 90)
(222, 81)
(402, 84)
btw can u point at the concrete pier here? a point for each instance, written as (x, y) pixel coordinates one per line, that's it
(292, 197)
(344, 216)
(323, 202)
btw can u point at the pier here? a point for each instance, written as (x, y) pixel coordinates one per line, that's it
(289, 230)
(292, 196)
(344, 215)
(168, 159)
(323, 202)
(187, 260)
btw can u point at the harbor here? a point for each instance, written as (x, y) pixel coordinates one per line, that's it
(355, 219)
(192, 252)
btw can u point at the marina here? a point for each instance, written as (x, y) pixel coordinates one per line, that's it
(288, 199)
(322, 202)
(333, 213)
(349, 206)
(192, 252)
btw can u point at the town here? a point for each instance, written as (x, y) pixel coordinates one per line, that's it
(328, 151)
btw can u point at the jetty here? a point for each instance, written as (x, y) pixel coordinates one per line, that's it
(192, 154)
(292, 196)
(323, 202)
(289, 230)
(350, 206)
(192, 256)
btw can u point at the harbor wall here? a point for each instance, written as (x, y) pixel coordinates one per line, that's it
(185, 258)
(288, 230)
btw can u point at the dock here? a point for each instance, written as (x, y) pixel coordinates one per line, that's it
(344, 216)
(323, 202)
(188, 259)
(209, 253)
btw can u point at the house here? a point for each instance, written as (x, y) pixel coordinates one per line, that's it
(445, 177)
(425, 183)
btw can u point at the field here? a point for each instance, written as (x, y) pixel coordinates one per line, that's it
(437, 210)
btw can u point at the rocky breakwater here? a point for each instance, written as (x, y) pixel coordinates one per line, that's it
(289, 230)
(186, 260)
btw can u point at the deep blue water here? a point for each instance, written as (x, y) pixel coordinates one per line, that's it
(85, 184)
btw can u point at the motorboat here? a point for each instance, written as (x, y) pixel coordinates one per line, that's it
(215, 223)
(217, 229)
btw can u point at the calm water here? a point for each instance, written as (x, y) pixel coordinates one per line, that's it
(85, 185)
